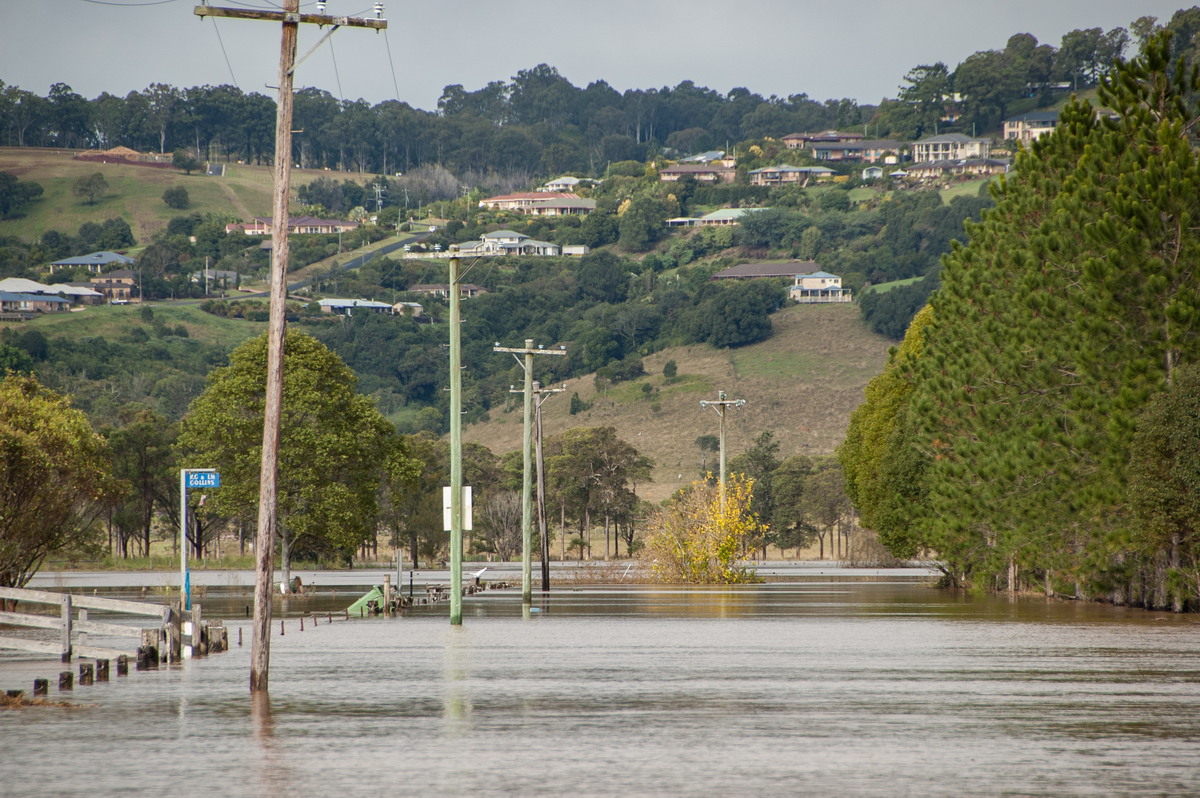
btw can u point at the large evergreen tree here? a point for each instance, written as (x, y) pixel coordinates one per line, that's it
(1073, 304)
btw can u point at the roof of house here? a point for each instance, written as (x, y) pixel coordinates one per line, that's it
(949, 138)
(569, 202)
(120, 274)
(20, 285)
(532, 196)
(788, 168)
(864, 144)
(13, 296)
(504, 234)
(68, 289)
(790, 268)
(695, 168)
(94, 259)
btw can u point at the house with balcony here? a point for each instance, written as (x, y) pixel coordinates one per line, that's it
(715, 172)
(1031, 126)
(949, 147)
(872, 151)
(789, 175)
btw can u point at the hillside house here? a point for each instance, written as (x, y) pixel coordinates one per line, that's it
(525, 202)
(96, 262)
(508, 242)
(26, 305)
(872, 151)
(563, 207)
(967, 167)
(75, 293)
(1031, 126)
(789, 175)
(118, 286)
(819, 287)
(800, 141)
(297, 225)
(949, 147)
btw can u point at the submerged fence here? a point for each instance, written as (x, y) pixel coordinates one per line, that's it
(176, 634)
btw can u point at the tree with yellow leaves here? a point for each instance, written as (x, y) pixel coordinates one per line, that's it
(697, 538)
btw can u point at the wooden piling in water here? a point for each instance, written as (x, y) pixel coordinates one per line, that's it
(17, 694)
(102, 670)
(41, 687)
(239, 636)
(301, 623)
(87, 673)
(123, 665)
(66, 680)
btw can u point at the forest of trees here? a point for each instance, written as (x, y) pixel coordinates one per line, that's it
(1033, 430)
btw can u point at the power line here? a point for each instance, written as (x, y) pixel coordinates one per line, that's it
(228, 65)
(392, 64)
(336, 75)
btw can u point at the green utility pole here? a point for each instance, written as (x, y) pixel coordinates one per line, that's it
(721, 405)
(456, 521)
(527, 460)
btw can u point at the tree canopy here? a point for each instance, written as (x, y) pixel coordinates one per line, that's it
(334, 445)
(55, 480)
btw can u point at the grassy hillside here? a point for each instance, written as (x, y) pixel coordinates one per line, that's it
(135, 193)
(116, 321)
(801, 385)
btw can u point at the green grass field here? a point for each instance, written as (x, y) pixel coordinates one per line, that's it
(115, 321)
(134, 193)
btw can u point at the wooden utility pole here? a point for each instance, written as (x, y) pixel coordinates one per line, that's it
(541, 395)
(290, 17)
(526, 455)
(721, 405)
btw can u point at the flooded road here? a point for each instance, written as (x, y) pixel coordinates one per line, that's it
(805, 688)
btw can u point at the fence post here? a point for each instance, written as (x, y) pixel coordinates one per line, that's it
(66, 628)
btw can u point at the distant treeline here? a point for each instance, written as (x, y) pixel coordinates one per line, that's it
(538, 123)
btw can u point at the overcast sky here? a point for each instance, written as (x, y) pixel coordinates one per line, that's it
(859, 49)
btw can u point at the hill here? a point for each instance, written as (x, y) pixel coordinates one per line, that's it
(135, 192)
(800, 384)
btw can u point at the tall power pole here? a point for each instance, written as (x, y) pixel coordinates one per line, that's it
(527, 460)
(722, 405)
(290, 17)
(456, 520)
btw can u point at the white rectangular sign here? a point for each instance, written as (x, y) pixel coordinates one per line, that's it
(467, 508)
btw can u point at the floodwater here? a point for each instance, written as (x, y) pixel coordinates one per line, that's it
(821, 687)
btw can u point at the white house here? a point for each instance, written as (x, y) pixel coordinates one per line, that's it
(818, 288)
(949, 147)
(508, 242)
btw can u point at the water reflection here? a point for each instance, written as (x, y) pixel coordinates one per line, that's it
(457, 693)
(825, 688)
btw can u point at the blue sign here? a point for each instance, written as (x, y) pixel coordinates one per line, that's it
(202, 479)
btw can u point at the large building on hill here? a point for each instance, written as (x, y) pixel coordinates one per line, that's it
(297, 225)
(949, 147)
